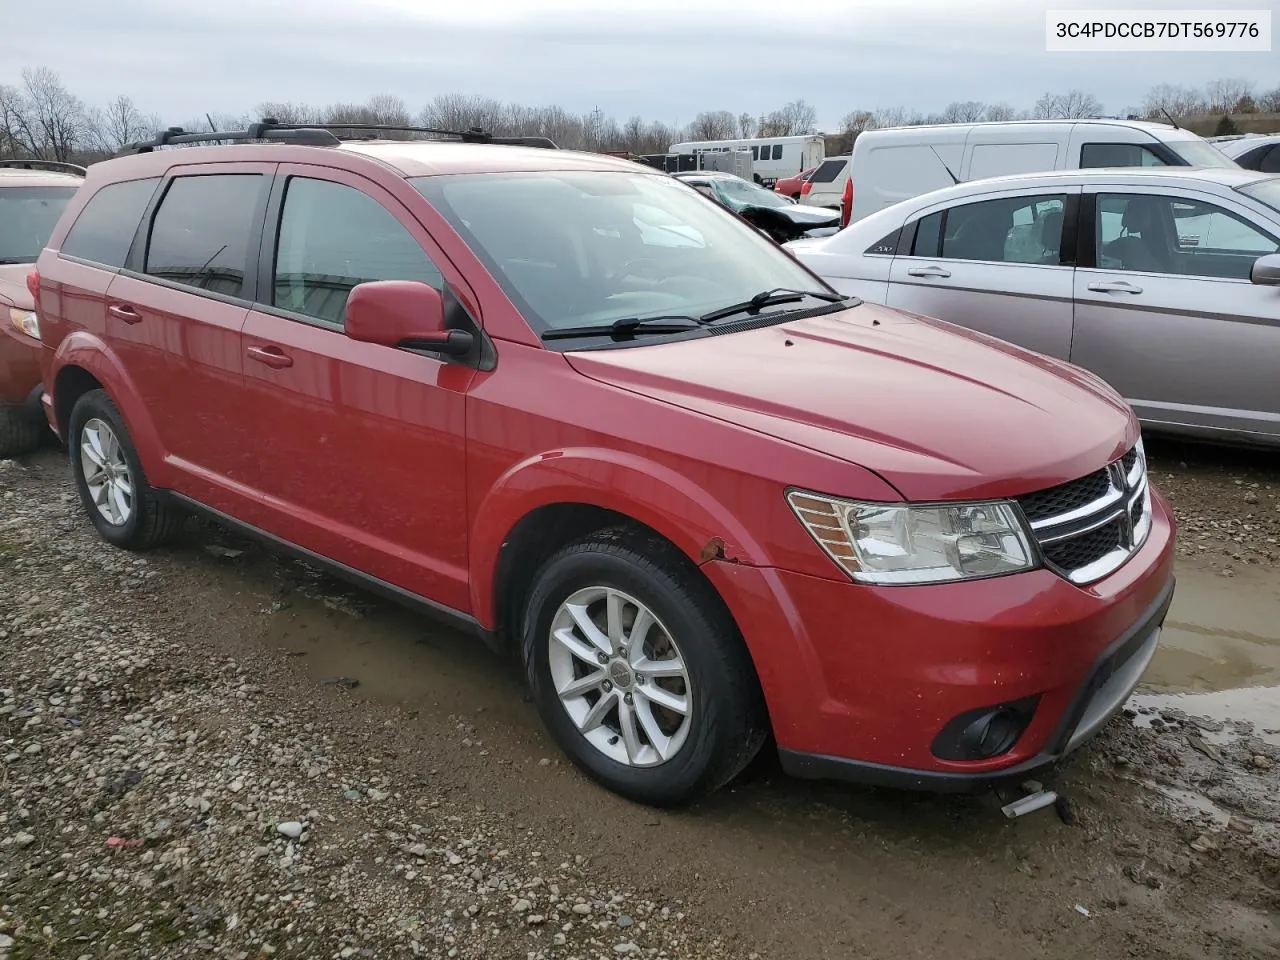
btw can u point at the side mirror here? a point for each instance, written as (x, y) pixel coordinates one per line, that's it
(1266, 270)
(403, 313)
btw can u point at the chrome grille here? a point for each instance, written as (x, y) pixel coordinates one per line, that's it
(1089, 527)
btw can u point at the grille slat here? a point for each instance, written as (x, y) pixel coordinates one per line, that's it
(1058, 511)
(1065, 497)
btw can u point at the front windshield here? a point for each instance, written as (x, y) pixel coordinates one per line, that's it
(27, 218)
(1264, 191)
(1198, 153)
(588, 248)
(739, 193)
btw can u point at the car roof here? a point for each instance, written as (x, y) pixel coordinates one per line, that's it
(1227, 177)
(710, 175)
(16, 177)
(407, 158)
(1152, 126)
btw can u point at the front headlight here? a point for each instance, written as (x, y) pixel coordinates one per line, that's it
(903, 544)
(25, 321)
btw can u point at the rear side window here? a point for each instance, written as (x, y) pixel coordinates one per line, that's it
(333, 237)
(829, 170)
(103, 232)
(1269, 162)
(200, 233)
(777, 151)
(928, 236)
(1119, 155)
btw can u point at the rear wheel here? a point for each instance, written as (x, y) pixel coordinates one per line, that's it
(123, 507)
(638, 670)
(20, 431)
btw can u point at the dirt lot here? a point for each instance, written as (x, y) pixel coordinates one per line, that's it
(210, 751)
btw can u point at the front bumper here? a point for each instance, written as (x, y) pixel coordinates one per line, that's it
(861, 682)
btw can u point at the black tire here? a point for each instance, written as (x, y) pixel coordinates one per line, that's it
(728, 722)
(20, 431)
(153, 519)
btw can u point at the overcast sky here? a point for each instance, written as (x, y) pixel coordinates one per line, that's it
(663, 59)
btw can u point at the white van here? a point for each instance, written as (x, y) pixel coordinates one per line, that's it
(898, 163)
(775, 157)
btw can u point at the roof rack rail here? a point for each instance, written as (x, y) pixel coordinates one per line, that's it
(54, 166)
(319, 135)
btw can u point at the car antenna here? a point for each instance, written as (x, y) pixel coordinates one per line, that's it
(954, 178)
(1171, 120)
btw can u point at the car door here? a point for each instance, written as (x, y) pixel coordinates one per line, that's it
(1166, 313)
(1001, 264)
(174, 316)
(361, 447)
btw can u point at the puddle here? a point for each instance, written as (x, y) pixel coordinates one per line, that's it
(1221, 716)
(1222, 633)
(1196, 805)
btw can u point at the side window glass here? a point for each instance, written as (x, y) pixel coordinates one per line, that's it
(1008, 230)
(755, 153)
(777, 151)
(333, 237)
(928, 236)
(1269, 162)
(201, 230)
(1177, 235)
(103, 232)
(1118, 155)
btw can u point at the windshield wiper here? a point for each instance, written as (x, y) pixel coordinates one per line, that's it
(769, 298)
(10, 261)
(628, 327)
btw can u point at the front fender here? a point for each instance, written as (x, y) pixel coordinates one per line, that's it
(90, 353)
(669, 502)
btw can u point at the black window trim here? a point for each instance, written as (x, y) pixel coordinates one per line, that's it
(1088, 236)
(85, 261)
(1170, 157)
(135, 262)
(457, 317)
(1068, 250)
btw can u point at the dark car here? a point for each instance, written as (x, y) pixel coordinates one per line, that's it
(779, 217)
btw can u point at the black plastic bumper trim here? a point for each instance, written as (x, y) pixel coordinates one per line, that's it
(814, 766)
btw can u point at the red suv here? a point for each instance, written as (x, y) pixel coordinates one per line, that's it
(33, 194)
(568, 404)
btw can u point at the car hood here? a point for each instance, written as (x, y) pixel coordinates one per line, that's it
(805, 214)
(940, 412)
(13, 285)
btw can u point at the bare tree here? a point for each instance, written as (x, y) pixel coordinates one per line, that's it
(713, 125)
(50, 122)
(1072, 105)
(11, 111)
(856, 121)
(891, 117)
(998, 112)
(457, 111)
(1172, 99)
(794, 119)
(748, 125)
(1269, 102)
(287, 112)
(119, 123)
(1224, 96)
(967, 111)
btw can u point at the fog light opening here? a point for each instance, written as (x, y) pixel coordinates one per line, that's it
(986, 732)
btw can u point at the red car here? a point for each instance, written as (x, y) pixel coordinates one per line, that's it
(792, 186)
(33, 194)
(597, 421)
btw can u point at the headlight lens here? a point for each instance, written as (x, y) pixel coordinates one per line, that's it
(902, 544)
(25, 320)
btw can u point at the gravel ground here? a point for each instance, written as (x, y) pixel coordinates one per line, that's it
(187, 770)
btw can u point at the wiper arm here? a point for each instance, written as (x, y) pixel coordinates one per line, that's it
(627, 327)
(769, 298)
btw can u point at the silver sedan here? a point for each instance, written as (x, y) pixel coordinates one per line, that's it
(1163, 281)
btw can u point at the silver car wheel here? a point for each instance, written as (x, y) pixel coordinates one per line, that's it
(620, 677)
(106, 472)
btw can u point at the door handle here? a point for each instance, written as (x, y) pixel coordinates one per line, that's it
(928, 272)
(1114, 286)
(271, 356)
(122, 311)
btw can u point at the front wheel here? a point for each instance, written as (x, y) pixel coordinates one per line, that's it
(638, 670)
(20, 431)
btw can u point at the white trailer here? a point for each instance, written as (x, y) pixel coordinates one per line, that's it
(773, 157)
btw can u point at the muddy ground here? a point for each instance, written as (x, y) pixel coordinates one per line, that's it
(168, 721)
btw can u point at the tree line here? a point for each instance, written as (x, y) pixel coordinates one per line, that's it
(41, 119)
